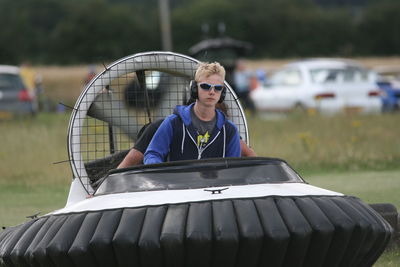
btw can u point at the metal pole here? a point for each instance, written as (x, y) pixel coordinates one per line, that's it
(165, 25)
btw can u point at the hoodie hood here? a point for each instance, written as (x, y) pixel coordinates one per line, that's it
(184, 113)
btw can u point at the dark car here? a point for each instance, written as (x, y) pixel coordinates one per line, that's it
(15, 99)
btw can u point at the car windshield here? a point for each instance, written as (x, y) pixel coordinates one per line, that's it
(337, 75)
(10, 82)
(287, 77)
(199, 174)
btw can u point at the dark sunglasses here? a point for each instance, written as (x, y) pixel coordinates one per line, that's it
(207, 86)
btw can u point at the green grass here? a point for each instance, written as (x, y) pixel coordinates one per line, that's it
(352, 154)
(370, 186)
(390, 258)
(30, 182)
(355, 155)
(31, 146)
(339, 143)
(21, 200)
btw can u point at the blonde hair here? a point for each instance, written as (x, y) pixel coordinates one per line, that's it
(206, 69)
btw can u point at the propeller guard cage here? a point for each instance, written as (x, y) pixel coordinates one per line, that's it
(120, 100)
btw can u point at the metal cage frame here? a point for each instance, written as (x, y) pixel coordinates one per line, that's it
(169, 62)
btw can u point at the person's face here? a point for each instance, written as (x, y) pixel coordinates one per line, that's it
(211, 96)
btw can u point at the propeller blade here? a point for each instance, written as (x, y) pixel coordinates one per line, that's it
(106, 108)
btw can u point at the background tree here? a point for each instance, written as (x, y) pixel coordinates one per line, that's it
(379, 29)
(94, 31)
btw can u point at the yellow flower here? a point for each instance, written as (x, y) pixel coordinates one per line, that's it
(356, 124)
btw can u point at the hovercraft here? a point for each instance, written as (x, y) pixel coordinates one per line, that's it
(212, 212)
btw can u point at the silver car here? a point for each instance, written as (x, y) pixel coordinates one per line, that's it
(15, 99)
(320, 85)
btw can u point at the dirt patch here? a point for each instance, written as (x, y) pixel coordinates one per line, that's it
(64, 84)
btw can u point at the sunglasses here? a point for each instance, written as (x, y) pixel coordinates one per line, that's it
(207, 86)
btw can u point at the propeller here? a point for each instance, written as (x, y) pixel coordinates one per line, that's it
(107, 108)
(167, 73)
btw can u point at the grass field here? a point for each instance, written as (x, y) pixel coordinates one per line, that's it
(356, 155)
(353, 154)
(315, 143)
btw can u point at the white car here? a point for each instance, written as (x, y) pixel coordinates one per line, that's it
(322, 85)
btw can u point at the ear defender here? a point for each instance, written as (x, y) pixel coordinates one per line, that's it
(194, 93)
(193, 89)
(223, 94)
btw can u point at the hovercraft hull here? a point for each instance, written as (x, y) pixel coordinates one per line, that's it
(264, 231)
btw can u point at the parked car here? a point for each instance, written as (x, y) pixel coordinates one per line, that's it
(389, 83)
(14, 97)
(390, 96)
(322, 85)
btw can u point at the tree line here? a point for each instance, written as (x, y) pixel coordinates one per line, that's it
(83, 31)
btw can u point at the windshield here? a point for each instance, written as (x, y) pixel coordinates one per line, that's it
(287, 77)
(335, 75)
(199, 174)
(10, 82)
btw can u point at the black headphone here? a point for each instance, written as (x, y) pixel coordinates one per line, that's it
(194, 93)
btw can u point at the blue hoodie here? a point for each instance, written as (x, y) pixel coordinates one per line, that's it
(176, 139)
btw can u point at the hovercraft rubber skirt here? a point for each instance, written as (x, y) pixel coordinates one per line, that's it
(268, 231)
